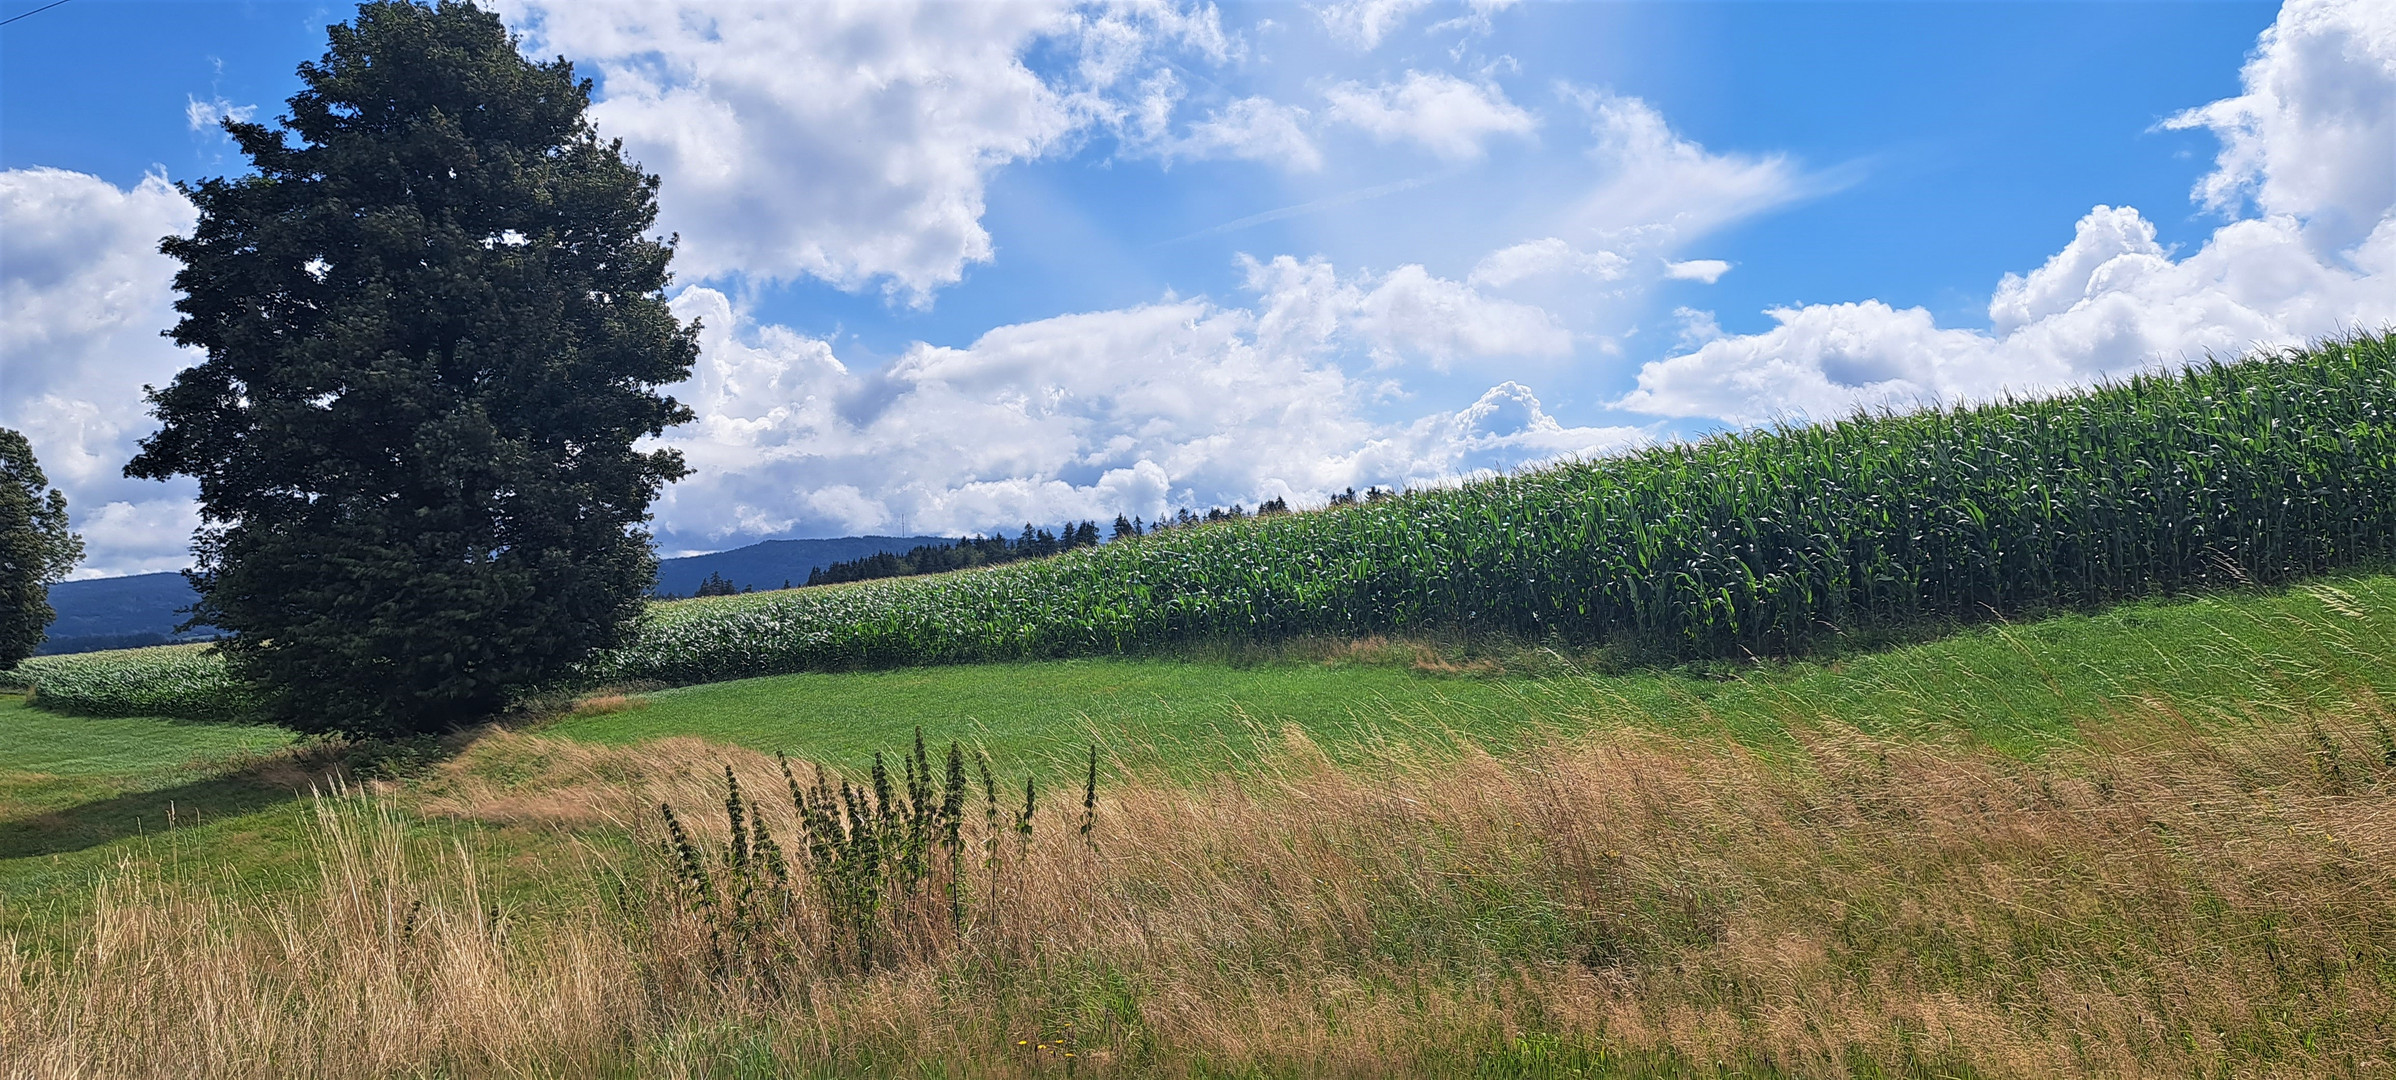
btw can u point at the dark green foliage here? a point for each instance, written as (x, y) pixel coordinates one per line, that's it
(690, 866)
(989, 814)
(995, 550)
(952, 822)
(963, 554)
(2263, 470)
(433, 330)
(36, 548)
(1090, 798)
(717, 585)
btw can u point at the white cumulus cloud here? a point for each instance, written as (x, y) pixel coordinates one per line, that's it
(1182, 402)
(1406, 315)
(1705, 270)
(2314, 133)
(1505, 430)
(1362, 24)
(87, 293)
(852, 143)
(1254, 128)
(1123, 411)
(1412, 314)
(2308, 143)
(1545, 257)
(1446, 115)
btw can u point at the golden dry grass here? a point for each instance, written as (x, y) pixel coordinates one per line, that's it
(1427, 657)
(602, 704)
(2169, 899)
(395, 962)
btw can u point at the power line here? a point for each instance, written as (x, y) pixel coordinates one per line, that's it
(28, 14)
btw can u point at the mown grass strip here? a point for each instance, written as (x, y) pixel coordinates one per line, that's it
(2021, 688)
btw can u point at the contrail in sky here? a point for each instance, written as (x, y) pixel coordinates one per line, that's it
(1342, 199)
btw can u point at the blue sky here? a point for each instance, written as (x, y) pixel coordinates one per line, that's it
(968, 265)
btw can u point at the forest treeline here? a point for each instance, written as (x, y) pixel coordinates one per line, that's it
(960, 554)
(997, 549)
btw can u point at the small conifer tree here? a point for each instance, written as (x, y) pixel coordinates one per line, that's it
(36, 548)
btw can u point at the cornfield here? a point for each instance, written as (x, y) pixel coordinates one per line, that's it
(2262, 470)
(187, 681)
(2256, 471)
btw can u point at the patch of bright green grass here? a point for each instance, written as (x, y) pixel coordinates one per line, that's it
(2016, 688)
(1154, 711)
(78, 793)
(219, 804)
(2021, 687)
(49, 762)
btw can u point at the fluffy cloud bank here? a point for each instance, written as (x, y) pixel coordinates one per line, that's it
(1136, 410)
(2310, 146)
(850, 142)
(86, 293)
(1446, 115)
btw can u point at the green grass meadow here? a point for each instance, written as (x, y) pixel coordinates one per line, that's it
(77, 793)
(2015, 687)
(223, 812)
(49, 762)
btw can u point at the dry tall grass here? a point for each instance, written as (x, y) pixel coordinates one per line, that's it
(395, 962)
(2171, 899)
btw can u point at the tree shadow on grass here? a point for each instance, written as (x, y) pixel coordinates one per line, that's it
(231, 794)
(253, 785)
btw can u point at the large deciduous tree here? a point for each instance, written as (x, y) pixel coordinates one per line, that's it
(36, 548)
(434, 331)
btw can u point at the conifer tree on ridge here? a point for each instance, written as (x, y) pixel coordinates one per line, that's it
(434, 329)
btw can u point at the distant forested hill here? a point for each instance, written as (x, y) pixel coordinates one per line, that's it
(129, 612)
(774, 563)
(119, 613)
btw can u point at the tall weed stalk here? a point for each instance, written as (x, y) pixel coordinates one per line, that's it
(884, 864)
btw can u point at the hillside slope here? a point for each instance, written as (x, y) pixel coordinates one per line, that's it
(119, 613)
(145, 609)
(774, 564)
(1771, 542)
(1779, 542)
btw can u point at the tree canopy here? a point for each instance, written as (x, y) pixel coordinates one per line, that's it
(36, 548)
(434, 330)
